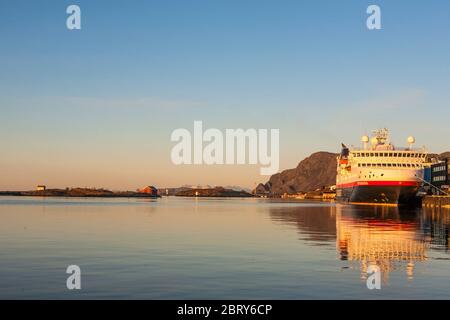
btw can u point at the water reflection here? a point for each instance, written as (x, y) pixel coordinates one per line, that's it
(315, 223)
(382, 236)
(394, 239)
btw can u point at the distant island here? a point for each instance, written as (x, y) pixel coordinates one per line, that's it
(80, 192)
(213, 192)
(146, 192)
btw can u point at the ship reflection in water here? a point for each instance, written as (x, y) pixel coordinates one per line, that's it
(391, 238)
(184, 248)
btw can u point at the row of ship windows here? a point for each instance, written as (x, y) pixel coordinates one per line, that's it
(389, 154)
(440, 178)
(440, 168)
(403, 165)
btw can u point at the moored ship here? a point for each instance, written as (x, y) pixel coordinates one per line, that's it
(379, 172)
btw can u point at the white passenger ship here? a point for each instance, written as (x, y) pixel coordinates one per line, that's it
(379, 172)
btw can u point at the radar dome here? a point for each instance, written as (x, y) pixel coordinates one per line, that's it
(374, 140)
(365, 139)
(411, 140)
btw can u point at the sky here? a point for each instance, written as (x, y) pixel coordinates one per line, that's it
(96, 107)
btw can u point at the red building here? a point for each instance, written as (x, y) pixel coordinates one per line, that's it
(149, 190)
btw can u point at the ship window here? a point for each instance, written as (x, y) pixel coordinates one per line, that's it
(384, 164)
(371, 154)
(385, 154)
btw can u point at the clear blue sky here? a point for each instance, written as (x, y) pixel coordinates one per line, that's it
(96, 107)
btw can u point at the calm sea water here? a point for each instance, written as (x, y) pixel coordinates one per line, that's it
(185, 248)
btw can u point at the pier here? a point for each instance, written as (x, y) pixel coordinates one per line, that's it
(436, 201)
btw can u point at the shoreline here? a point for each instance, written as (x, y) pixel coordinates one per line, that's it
(77, 193)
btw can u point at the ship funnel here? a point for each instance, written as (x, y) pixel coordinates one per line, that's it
(365, 141)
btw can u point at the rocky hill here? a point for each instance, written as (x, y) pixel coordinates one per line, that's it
(445, 155)
(316, 171)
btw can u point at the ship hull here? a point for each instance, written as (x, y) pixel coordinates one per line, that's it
(389, 194)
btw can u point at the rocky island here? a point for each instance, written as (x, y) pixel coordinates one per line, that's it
(213, 192)
(79, 192)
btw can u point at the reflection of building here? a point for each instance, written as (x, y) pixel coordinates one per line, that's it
(395, 239)
(385, 241)
(435, 223)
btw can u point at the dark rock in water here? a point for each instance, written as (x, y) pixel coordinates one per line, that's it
(315, 172)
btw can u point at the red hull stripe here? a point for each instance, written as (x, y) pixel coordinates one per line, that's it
(379, 184)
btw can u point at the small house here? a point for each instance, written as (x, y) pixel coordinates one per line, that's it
(149, 190)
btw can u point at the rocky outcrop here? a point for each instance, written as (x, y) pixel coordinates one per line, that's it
(444, 155)
(315, 172)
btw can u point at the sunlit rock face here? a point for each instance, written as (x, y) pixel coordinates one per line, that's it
(316, 171)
